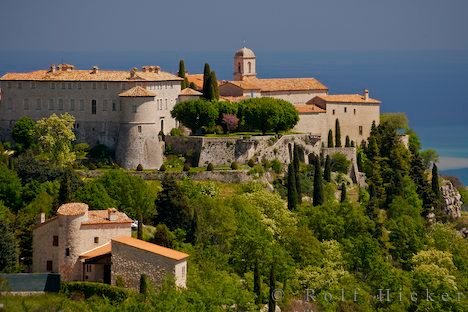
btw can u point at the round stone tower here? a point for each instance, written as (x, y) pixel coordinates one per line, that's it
(138, 141)
(244, 64)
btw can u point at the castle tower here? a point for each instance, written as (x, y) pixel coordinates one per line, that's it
(244, 64)
(138, 141)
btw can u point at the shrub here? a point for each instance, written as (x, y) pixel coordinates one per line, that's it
(231, 121)
(101, 154)
(139, 167)
(92, 166)
(143, 284)
(88, 289)
(276, 165)
(339, 163)
(234, 166)
(176, 132)
(162, 168)
(210, 167)
(251, 162)
(119, 281)
(186, 167)
(257, 169)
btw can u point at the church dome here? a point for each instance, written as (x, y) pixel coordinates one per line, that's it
(245, 52)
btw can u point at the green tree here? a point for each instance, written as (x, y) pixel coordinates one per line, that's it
(327, 170)
(144, 284)
(339, 163)
(435, 182)
(318, 196)
(23, 132)
(292, 191)
(8, 254)
(10, 188)
(163, 236)
(347, 142)
(330, 138)
(343, 192)
(429, 157)
(183, 74)
(206, 83)
(55, 136)
(337, 133)
(214, 82)
(95, 195)
(395, 120)
(69, 184)
(196, 114)
(271, 298)
(257, 283)
(297, 173)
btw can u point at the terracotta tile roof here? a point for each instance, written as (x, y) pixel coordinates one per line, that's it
(344, 98)
(233, 99)
(197, 79)
(98, 251)
(280, 84)
(72, 209)
(153, 248)
(102, 217)
(190, 91)
(89, 75)
(137, 91)
(308, 108)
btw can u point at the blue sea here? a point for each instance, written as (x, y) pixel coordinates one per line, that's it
(429, 86)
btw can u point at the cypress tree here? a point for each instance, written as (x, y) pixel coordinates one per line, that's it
(318, 196)
(292, 191)
(352, 143)
(257, 283)
(143, 284)
(182, 74)
(337, 134)
(209, 92)
(206, 76)
(330, 138)
(297, 174)
(343, 192)
(214, 82)
(271, 299)
(347, 143)
(327, 170)
(435, 181)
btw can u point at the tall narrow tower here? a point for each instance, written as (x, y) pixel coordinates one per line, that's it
(244, 64)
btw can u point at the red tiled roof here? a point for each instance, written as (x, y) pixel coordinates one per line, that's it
(98, 251)
(72, 209)
(190, 91)
(102, 217)
(345, 98)
(308, 108)
(153, 248)
(279, 84)
(137, 92)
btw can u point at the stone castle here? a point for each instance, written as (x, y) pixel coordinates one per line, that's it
(128, 110)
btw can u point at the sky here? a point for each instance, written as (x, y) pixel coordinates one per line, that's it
(219, 25)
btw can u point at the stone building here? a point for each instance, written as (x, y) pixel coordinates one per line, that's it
(96, 245)
(124, 110)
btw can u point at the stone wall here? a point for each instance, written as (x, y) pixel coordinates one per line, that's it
(451, 199)
(130, 262)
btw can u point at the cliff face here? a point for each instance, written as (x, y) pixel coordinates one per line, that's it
(452, 199)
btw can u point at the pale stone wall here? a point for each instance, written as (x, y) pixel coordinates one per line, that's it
(229, 89)
(313, 123)
(130, 262)
(43, 249)
(355, 116)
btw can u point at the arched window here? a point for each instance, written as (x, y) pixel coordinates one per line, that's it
(250, 67)
(239, 68)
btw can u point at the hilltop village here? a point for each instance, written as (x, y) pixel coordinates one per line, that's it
(156, 191)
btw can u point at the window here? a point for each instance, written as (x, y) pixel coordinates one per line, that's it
(88, 268)
(93, 107)
(77, 125)
(96, 240)
(360, 130)
(52, 85)
(104, 105)
(63, 85)
(94, 85)
(49, 266)
(55, 240)
(172, 85)
(239, 67)
(123, 86)
(183, 271)
(33, 85)
(26, 104)
(105, 85)
(166, 103)
(134, 108)
(69, 85)
(354, 111)
(38, 104)
(51, 104)
(67, 252)
(20, 85)
(114, 106)
(9, 85)
(81, 105)
(345, 109)
(249, 64)
(79, 85)
(60, 104)
(333, 112)
(139, 129)
(72, 104)
(162, 125)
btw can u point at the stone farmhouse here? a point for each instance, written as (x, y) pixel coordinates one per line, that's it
(96, 245)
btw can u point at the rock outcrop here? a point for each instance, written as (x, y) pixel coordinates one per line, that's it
(452, 204)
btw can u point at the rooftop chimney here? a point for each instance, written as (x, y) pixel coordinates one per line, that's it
(95, 70)
(41, 218)
(52, 68)
(133, 72)
(366, 94)
(112, 214)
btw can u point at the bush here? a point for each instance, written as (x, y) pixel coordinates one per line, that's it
(162, 168)
(88, 289)
(339, 163)
(234, 166)
(210, 167)
(101, 154)
(176, 132)
(139, 167)
(186, 167)
(119, 281)
(257, 169)
(251, 162)
(276, 165)
(92, 166)
(143, 284)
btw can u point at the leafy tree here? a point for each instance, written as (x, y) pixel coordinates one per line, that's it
(95, 195)
(163, 236)
(214, 82)
(339, 163)
(318, 196)
(23, 132)
(327, 170)
(8, 254)
(257, 283)
(337, 134)
(271, 298)
(330, 139)
(196, 114)
(297, 173)
(231, 122)
(292, 191)
(69, 184)
(429, 157)
(343, 192)
(55, 136)
(10, 188)
(182, 74)
(395, 120)
(144, 283)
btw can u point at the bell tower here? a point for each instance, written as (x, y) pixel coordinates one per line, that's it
(244, 64)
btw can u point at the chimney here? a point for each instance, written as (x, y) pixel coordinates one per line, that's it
(156, 69)
(95, 70)
(42, 218)
(112, 214)
(366, 94)
(133, 72)
(52, 68)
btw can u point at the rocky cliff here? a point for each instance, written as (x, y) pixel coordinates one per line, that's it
(452, 199)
